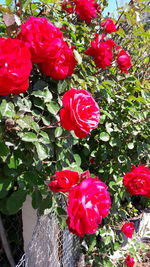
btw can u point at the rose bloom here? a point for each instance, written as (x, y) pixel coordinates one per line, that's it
(61, 66)
(86, 9)
(124, 61)
(128, 229)
(42, 37)
(129, 261)
(64, 181)
(88, 203)
(67, 6)
(137, 181)
(109, 26)
(15, 66)
(101, 51)
(80, 112)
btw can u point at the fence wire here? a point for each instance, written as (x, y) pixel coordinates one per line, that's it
(51, 246)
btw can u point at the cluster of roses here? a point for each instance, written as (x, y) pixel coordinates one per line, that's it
(137, 182)
(49, 50)
(40, 42)
(102, 52)
(89, 201)
(101, 48)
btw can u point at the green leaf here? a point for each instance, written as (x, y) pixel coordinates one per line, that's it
(8, 2)
(46, 120)
(44, 139)
(25, 122)
(5, 185)
(4, 150)
(113, 185)
(30, 177)
(116, 246)
(45, 94)
(42, 151)
(113, 142)
(3, 206)
(13, 162)
(46, 203)
(77, 159)
(104, 136)
(61, 211)
(58, 132)
(7, 109)
(62, 86)
(91, 241)
(39, 86)
(121, 32)
(15, 201)
(36, 199)
(53, 108)
(29, 137)
(103, 117)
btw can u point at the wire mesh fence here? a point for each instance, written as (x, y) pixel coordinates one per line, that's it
(51, 246)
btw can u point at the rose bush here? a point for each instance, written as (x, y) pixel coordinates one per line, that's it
(128, 229)
(88, 203)
(15, 66)
(137, 181)
(80, 112)
(34, 142)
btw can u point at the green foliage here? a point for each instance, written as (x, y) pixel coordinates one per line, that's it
(33, 145)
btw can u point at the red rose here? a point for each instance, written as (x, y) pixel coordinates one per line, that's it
(128, 229)
(101, 51)
(129, 261)
(124, 61)
(15, 66)
(42, 37)
(61, 66)
(88, 203)
(80, 113)
(64, 180)
(137, 181)
(86, 9)
(109, 26)
(67, 6)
